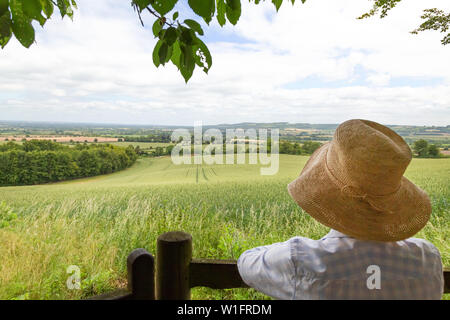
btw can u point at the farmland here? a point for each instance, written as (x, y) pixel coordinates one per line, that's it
(62, 139)
(95, 223)
(298, 132)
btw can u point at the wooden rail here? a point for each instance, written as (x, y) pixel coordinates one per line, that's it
(176, 272)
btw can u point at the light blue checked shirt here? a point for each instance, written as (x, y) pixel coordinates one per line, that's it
(340, 267)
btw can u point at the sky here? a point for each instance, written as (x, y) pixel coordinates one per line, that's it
(307, 63)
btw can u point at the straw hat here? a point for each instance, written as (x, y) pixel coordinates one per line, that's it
(355, 184)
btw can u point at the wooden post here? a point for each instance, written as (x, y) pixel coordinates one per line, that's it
(141, 275)
(446, 280)
(173, 258)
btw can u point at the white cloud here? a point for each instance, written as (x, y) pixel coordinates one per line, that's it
(379, 79)
(99, 69)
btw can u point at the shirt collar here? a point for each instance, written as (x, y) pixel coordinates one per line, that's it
(335, 234)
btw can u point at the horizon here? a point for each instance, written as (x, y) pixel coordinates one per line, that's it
(203, 124)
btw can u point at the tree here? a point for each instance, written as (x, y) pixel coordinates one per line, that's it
(433, 150)
(420, 147)
(46, 161)
(178, 40)
(170, 148)
(425, 150)
(309, 146)
(159, 151)
(138, 150)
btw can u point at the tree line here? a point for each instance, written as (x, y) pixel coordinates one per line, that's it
(43, 161)
(423, 149)
(162, 137)
(156, 152)
(285, 147)
(307, 147)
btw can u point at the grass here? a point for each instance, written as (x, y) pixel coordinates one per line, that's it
(95, 223)
(5, 142)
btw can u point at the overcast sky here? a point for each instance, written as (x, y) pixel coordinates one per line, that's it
(311, 63)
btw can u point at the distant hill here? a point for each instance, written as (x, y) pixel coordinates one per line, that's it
(288, 131)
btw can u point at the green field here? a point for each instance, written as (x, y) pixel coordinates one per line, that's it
(95, 223)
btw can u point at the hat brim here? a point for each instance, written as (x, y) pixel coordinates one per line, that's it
(314, 190)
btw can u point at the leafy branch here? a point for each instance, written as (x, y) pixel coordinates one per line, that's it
(178, 41)
(435, 20)
(16, 17)
(381, 5)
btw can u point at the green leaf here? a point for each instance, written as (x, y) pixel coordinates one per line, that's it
(156, 53)
(187, 62)
(194, 25)
(142, 4)
(176, 53)
(21, 24)
(157, 26)
(169, 54)
(187, 56)
(163, 6)
(62, 7)
(32, 8)
(69, 11)
(187, 72)
(206, 54)
(170, 36)
(234, 4)
(175, 16)
(3, 6)
(162, 52)
(187, 36)
(204, 8)
(277, 3)
(65, 8)
(221, 9)
(5, 28)
(161, 33)
(47, 7)
(233, 10)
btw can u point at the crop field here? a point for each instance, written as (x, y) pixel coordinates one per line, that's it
(95, 223)
(57, 138)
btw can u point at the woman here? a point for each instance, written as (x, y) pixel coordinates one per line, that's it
(354, 185)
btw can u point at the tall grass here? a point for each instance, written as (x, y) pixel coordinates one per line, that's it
(95, 223)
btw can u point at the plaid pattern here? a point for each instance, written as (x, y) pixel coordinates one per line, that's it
(335, 267)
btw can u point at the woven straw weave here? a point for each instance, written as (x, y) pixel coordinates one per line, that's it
(355, 184)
